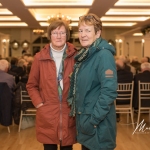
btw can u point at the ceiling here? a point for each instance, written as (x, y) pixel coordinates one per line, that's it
(132, 14)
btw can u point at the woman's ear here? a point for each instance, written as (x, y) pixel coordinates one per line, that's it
(98, 33)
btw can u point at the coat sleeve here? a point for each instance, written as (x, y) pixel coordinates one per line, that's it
(108, 86)
(33, 83)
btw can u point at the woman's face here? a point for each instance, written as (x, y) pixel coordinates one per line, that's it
(58, 38)
(87, 34)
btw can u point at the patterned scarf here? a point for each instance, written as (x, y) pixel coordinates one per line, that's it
(61, 71)
(60, 75)
(82, 55)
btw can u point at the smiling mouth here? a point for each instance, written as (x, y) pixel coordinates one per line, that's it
(84, 39)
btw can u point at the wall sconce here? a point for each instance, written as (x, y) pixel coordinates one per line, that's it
(25, 45)
(15, 45)
(4, 41)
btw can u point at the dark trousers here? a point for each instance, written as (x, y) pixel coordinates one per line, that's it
(54, 147)
(84, 148)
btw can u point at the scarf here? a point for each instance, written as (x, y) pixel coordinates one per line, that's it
(61, 70)
(81, 57)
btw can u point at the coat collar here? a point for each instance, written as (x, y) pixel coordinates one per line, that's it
(45, 52)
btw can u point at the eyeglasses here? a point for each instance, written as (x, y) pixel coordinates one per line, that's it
(55, 34)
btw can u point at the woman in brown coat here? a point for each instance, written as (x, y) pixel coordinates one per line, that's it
(48, 87)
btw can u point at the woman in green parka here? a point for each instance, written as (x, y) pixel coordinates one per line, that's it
(94, 88)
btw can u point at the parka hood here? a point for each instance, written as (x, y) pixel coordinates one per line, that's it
(102, 45)
(105, 45)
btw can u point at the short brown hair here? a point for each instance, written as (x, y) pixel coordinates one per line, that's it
(91, 19)
(54, 25)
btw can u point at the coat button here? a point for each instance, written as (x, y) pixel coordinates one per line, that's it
(95, 126)
(79, 112)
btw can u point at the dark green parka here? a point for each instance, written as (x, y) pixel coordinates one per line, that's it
(96, 90)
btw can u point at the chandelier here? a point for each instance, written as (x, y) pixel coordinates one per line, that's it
(64, 18)
(38, 31)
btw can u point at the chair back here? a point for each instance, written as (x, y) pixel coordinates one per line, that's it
(27, 109)
(123, 101)
(144, 95)
(125, 94)
(26, 101)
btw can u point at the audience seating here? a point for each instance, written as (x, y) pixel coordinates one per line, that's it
(123, 101)
(25, 98)
(144, 99)
(5, 105)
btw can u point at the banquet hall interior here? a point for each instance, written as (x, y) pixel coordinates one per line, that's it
(126, 26)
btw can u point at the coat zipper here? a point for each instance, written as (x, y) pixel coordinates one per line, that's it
(60, 107)
(60, 122)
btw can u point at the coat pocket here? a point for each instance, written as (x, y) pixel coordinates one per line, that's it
(85, 126)
(45, 118)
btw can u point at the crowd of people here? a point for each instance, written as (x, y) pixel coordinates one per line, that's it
(15, 72)
(73, 90)
(133, 71)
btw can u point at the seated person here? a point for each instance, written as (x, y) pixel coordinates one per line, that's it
(124, 59)
(135, 63)
(24, 78)
(123, 76)
(4, 76)
(7, 85)
(144, 59)
(144, 76)
(17, 98)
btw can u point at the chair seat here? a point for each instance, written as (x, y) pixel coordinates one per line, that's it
(123, 107)
(31, 110)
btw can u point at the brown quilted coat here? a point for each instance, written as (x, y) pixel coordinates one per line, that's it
(53, 123)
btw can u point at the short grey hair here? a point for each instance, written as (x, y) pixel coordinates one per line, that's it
(4, 64)
(145, 65)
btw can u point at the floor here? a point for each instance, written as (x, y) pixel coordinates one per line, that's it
(127, 138)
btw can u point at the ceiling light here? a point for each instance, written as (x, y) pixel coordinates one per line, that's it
(138, 34)
(128, 12)
(124, 18)
(5, 12)
(110, 24)
(64, 18)
(9, 18)
(57, 3)
(6, 24)
(132, 3)
(44, 24)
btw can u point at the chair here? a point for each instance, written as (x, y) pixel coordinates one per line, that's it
(123, 101)
(6, 98)
(144, 99)
(27, 109)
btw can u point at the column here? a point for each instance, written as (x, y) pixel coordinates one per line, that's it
(146, 45)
